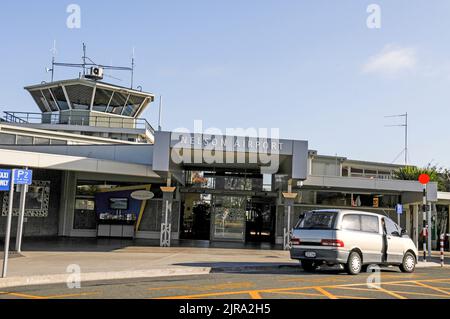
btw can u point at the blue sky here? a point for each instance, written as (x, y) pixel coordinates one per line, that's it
(311, 68)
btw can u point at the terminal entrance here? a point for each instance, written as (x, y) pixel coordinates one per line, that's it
(231, 218)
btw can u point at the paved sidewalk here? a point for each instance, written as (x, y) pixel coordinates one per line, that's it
(134, 262)
(122, 262)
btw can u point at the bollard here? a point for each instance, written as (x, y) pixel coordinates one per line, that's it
(442, 249)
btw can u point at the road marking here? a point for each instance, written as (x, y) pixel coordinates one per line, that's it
(169, 288)
(200, 296)
(402, 285)
(419, 293)
(28, 296)
(297, 293)
(255, 295)
(72, 295)
(433, 288)
(272, 290)
(228, 285)
(20, 295)
(325, 293)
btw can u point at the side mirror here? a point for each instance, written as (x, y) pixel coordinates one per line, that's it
(404, 233)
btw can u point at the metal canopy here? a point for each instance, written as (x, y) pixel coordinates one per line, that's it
(89, 95)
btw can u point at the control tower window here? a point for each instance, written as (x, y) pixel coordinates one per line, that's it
(80, 96)
(101, 101)
(51, 102)
(133, 104)
(40, 100)
(60, 98)
(117, 103)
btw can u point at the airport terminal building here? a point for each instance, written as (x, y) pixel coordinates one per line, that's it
(102, 171)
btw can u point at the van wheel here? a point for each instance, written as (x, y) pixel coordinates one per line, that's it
(308, 266)
(354, 264)
(408, 264)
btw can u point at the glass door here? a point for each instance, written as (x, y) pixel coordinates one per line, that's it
(229, 218)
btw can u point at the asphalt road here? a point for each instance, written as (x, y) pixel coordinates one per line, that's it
(290, 282)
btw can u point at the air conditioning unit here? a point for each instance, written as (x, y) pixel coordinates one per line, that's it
(95, 73)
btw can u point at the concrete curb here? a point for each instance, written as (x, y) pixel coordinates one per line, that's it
(100, 276)
(253, 268)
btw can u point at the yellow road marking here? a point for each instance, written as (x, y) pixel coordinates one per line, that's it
(325, 293)
(354, 288)
(433, 288)
(419, 293)
(297, 293)
(393, 294)
(246, 292)
(72, 295)
(227, 293)
(230, 285)
(28, 296)
(352, 297)
(20, 295)
(402, 285)
(255, 295)
(170, 287)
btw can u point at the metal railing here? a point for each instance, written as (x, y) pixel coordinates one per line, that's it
(86, 119)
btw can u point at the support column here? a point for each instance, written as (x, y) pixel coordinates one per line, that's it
(415, 232)
(166, 217)
(408, 219)
(288, 208)
(448, 216)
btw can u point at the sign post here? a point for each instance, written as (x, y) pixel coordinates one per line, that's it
(23, 177)
(8, 222)
(424, 179)
(399, 209)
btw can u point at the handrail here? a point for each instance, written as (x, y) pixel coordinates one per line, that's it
(82, 120)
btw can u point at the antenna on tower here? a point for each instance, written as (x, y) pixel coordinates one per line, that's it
(96, 69)
(132, 68)
(405, 125)
(54, 52)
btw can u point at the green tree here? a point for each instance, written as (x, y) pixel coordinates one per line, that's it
(437, 174)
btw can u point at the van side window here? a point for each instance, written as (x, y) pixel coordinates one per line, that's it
(370, 224)
(351, 222)
(391, 228)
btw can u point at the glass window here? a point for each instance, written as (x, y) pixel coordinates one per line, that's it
(391, 228)
(24, 140)
(80, 96)
(351, 222)
(101, 101)
(370, 224)
(133, 104)
(317, 220)
(7, 139)
(229, 218)
(60, 98)
(117, 103)
(58, 142)
(51, 102)
(41, 141)
(40, 101)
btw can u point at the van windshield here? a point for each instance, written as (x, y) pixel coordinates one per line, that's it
(317, 220)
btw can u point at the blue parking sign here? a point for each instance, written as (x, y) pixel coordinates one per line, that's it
(399, 209)
(23, 177)
(5, 180)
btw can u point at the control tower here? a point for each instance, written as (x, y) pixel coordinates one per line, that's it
(88, 106)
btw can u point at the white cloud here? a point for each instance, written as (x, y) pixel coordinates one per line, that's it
(391, 60)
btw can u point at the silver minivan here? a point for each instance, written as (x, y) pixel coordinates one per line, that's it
(354, 239)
